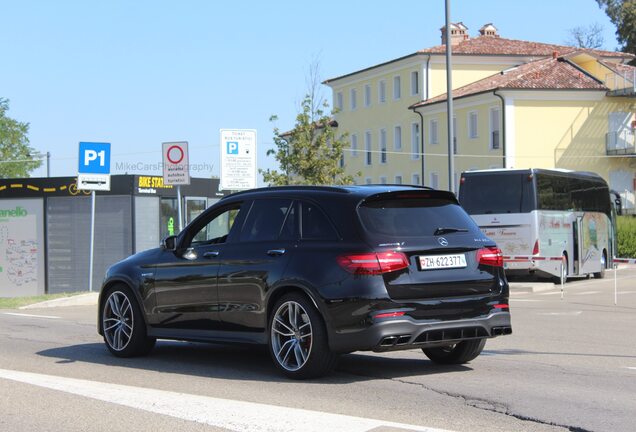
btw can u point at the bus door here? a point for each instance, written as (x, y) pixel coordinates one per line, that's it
(576, 245)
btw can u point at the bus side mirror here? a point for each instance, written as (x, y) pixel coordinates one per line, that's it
(169, 243)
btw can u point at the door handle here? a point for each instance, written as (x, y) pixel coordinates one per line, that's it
(211, 254)
(275, 252)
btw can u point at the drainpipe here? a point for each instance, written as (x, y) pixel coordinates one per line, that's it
(421, 142)
(503, 126)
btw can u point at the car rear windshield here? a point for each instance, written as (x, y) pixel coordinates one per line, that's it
(413, 217)
(497, 193)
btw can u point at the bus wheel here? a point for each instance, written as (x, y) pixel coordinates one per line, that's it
(601, 274)
(563, 278)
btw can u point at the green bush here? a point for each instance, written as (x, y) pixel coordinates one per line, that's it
(626, 236)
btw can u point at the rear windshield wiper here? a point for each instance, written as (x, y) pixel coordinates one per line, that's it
(440, 231)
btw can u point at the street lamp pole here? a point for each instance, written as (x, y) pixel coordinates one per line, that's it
(449, 102)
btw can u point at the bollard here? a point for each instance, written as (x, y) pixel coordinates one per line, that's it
(615, 284)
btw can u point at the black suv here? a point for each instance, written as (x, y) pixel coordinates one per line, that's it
(314, 272)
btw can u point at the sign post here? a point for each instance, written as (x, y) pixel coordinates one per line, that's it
(176, 170)
(93, 174)
(238, 159)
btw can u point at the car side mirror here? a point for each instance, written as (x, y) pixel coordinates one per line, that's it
(169, 243)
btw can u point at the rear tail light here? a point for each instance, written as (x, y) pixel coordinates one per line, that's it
(535, 249)
(490, 256)
(389, 315)
(373, 263)
(502, 306)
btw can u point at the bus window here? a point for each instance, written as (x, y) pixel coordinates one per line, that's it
(497, 193)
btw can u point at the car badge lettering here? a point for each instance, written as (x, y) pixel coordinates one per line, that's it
(442, 241)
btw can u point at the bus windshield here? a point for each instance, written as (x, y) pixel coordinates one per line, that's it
(497, 193)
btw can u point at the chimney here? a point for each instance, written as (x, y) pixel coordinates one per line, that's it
(488, 30)
(458, 33)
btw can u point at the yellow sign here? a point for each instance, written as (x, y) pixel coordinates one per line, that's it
(152, 182)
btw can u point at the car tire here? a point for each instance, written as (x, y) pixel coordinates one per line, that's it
(123, 324)
(601, 274)
(460, 353)
(298, 339)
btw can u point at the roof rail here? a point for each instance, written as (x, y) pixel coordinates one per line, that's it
(396, 184)
(291, 188)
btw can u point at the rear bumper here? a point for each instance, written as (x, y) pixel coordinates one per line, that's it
(407, 333)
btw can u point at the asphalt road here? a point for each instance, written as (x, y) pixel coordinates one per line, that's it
(570, 364)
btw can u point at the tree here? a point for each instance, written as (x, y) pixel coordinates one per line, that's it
(586, 37)
(310, 153)
(14, 146)
(623, 14)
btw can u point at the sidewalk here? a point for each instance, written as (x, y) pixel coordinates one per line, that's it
(89, 299)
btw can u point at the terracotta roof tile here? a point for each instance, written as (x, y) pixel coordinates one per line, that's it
(489, 45)
(544, 74)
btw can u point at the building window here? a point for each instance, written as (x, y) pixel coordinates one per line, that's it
(415, 141)
(397, 87)
(339, 101)
(383, 146)
(494, 128)
(434, 180)
(354, 96)
(367, 95)
(354, 145)
(382, 179)
(415, 179)
(415, 83)
(367, 147)
(434, 139)
(382, 91)
(367, 180)
(472, 124)
(397, 138)
(398, 179)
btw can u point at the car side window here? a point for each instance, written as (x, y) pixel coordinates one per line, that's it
(217, 230)
(265, 220)
(314, 223)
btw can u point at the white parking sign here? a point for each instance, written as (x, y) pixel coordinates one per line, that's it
(238, 159)
(176, 168)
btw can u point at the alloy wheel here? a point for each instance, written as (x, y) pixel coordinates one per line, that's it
(117, 320)
(291, 336)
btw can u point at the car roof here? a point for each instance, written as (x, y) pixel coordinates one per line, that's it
(356, 192)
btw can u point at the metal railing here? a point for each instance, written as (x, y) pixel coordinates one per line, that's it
(620, 143)
(621, 83)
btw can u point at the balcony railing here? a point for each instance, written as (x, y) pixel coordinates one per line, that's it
(621, 84)
(620, 143)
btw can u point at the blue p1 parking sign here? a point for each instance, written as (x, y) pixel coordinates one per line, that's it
(232, 147)
(94, 158)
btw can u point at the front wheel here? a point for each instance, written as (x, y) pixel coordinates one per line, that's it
(123, 324)
(298, 339)
(460, 353)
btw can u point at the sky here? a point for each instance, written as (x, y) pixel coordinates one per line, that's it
(139, 73)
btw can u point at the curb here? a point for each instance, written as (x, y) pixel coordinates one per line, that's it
(89, 299)
(530, 287)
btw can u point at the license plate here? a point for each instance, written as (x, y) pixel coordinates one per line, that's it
(432, 262)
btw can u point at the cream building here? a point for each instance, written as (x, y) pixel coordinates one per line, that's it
(517, 104)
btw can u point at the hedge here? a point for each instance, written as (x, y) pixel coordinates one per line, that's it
(626, 236)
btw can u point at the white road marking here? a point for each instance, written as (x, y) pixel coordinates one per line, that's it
(549, 293)
(586, 292)
(222, 413)
(31, 315)
(627, 292)
(630, 367)
(572, 313)
(525, 300)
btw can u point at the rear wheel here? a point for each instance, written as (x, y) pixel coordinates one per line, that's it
(298, 339)
(601, 274)
(460, 353)
(123, 324)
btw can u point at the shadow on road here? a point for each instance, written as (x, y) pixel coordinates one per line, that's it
(243, 363)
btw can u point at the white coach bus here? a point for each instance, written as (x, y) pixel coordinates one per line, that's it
(542, 218)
